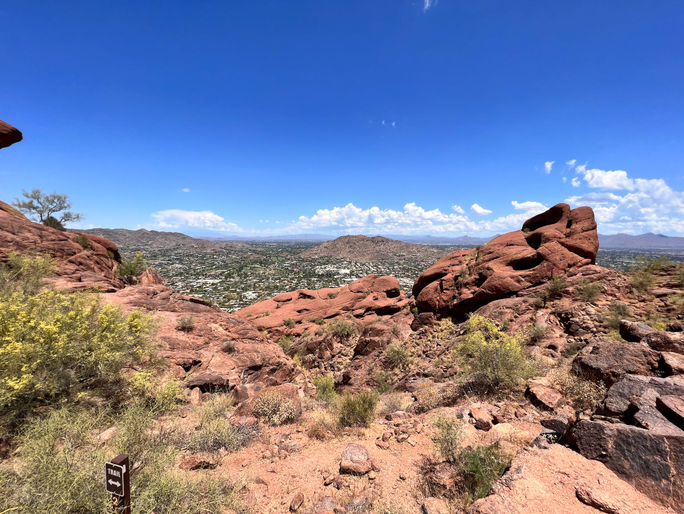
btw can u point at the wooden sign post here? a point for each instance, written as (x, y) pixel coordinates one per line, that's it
(118, 482)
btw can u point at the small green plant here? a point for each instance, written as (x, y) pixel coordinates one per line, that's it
(275, 408)
(357, 410)
(341, 328)
(185, 324)
(228, 347)
(448, 439)
(383, 381)
(462, 277)
(536, 333)
(83, 240)
(289, 322)
(541, 299)
(318, 321)
(325, 388)
(285, 342)
(588, 291)
(571, 349)
(486, 350)
(133, 267)
(477, 469)
(642, 281)
(556, 287)
(616, 312)
(397, 356)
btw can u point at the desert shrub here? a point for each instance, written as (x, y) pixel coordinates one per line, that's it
(392, 402)
(323, 425)
(571, 349)
(54, 345)
(397, 356)
(488, 351)
(289, 322)
(556, 287)
(228, 347)
(477, 469)
(285, 342)
(588, 291)
(584, 394)
(185, 324)
(160, 396)
(536, 333)
(325, 388)
(462, 277)
(133, 267)
(83, 240)
(357, 410)
(53, 222)
(274, 408)
(383, 381)
(541, 299)
(616, 311)
(61, 469)
(24, 274)
(642, 281)
(448, 439)
(341, 328)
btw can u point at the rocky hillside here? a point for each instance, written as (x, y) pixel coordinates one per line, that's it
(368, 249)
(155, 239)
(521, 378)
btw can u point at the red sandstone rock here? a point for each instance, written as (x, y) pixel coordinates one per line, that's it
(554, 242)
(9, 135)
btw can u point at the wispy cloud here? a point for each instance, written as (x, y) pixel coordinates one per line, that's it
(571, 162)
(185, 190)
(547, 166)
(479, 210)
(428, 3)
(180, 219)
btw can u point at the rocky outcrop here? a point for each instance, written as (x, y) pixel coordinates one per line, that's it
(556, 479)
(83, 261)
(9, 135)
(609, 361)
(651, 460)
(559, 241)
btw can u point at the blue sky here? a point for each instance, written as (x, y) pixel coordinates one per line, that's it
(355, 116)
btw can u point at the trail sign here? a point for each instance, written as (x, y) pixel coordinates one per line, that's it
(117, 482)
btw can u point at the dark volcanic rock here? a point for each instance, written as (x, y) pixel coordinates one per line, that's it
(672, 408)
(631, 389)
(9, 135)
(634, 331)
(555, 242)
(650, 461)
(609, 361)
(665, 341)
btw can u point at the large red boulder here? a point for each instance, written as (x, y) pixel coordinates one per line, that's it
(9, 135)
(83, 261)
(555, 242)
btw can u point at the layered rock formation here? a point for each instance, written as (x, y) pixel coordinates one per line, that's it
(9, 135)
(556, 242)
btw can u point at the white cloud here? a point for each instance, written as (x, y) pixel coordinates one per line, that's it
(547, 166)
(178, 219)
(479, 210)
(185, 190)
(571, 162)
(645, 205)
(428, 3)
(575, 182)
(458, 209)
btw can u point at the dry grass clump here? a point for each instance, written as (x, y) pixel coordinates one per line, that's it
(323, 425)
(275, 408)
(393, 402)
(357, 410)
(584, 394)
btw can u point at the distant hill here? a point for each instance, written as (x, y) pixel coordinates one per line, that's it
(125, 239)
(642, 241)
(369, 249)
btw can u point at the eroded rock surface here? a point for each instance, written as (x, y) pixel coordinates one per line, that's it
(554, 242)
(9, 135)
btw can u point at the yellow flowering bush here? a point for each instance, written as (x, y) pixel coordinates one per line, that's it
(486, 349)
(54, 344)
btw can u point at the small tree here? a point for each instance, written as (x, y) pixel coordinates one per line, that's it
(51, 210)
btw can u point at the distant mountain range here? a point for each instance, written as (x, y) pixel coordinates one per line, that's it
(643, 241)
(370, 249)
(159, 239)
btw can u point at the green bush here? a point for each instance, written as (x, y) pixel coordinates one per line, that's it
(54, 345)
(285, 342)
(616, 312)
(289, 322)
(341, 328)
(488, 351)
(448, 439)
(556, 287)
(24, 274)
(397, 356)
(274, 408)
(357, 410)
(588, 291)
(133, 267)
(642, 281)
(477, 469)
(83, 240)
(325, 388)
(536, 333)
